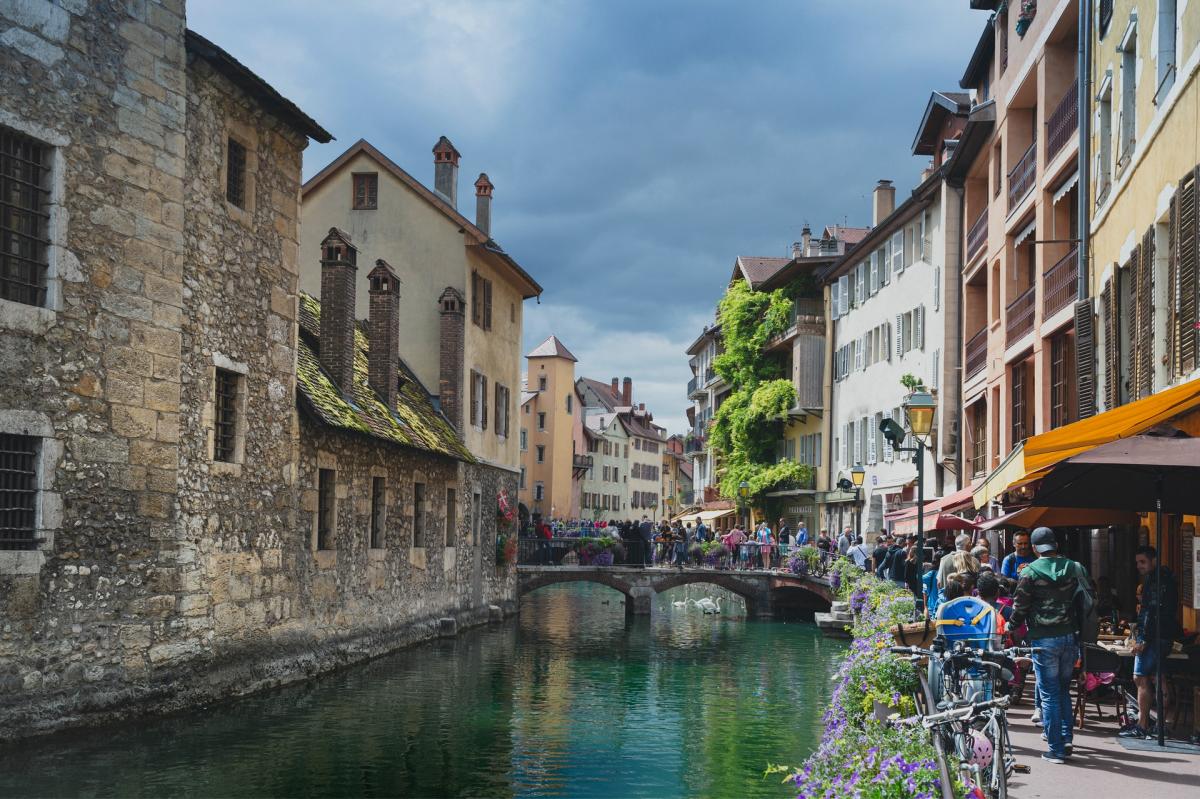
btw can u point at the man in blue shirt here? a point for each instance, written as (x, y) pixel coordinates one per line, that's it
(802, 535)
(1014, 561)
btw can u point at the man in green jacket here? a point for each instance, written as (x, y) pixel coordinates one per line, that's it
(1045, 600)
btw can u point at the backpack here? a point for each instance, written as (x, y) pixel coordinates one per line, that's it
(1083, 603)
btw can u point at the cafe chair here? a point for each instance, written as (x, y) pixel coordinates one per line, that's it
(1091, 688)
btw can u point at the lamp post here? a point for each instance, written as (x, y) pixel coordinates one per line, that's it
(857, 475)
(919, 409)
(743, 493)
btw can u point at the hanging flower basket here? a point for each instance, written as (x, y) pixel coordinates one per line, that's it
(1025, 18)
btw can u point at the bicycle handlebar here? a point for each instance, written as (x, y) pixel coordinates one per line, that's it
(964, 711)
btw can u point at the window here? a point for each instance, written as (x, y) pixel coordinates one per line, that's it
(541, 453)
(539, 491)
(978, 431)
(1168, 30)
(378, 504)
(885, 273)
(418, 514)
(481, 301)
(502, 403)
(570, 400)
(326, 498)
(616, 475)
(898, 251)
(524, 439)
(235, 173)
(479, 403)
(626, 452)
(1128, 126)
(366, 191)
(522, 477)
(1104, 151)
(1105, 16)
(452, 514)
(24, 201)
(1002, 38)
(1061, 352)
(226, 416)
(542, 383)
(605, 472)
(541, 420)
(1021, 427)
(18, 492)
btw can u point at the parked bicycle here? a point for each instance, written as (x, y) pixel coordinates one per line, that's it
(968, 722)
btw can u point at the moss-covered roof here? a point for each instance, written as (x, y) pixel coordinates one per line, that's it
(414, 422)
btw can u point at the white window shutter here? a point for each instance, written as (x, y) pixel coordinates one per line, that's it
(835, 307)
(862, 440)
(933, 379)
(927, 235)
(858, 355)
(885, 272)
(899, 335)
(817, 449)
(937, 287)
(844, 293)
(920, 245)
(860, 284)
(873, 285)
(888, 454)
(887, 340)
(919, 327)
(845, 442)
(871, 442)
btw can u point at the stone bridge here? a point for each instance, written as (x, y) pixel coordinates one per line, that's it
(763, 591)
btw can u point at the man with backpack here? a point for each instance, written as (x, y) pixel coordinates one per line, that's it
(1054, 599)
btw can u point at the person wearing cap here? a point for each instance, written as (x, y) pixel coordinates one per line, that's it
(1045, 601)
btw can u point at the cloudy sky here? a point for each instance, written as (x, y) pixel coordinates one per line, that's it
(637, 146)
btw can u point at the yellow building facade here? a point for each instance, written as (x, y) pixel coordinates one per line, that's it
(548, 409)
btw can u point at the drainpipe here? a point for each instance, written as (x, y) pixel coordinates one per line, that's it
(1084, 112)
(960, 246)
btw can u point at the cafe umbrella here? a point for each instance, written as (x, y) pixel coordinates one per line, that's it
(1157, 471)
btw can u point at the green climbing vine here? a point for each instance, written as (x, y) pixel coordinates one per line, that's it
(747, 425)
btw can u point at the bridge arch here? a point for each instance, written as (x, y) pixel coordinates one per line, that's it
(750, 593)
(531, 583)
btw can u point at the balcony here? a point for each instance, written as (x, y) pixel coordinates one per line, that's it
(710, 375)
(580, 464)
(1019, 317)
(1062, 124)
(1022, 177)
(693, 444)
(976, 355)
(977, 236)
(695, 390)
(1061, 284)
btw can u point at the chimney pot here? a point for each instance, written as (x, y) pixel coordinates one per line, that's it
(483, 203)
(884, 201)
(627, 392)
(383, 325)
(805, 237)
(616, 387)
(445, 170)
(338, 270)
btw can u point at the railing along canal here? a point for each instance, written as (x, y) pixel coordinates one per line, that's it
(634, 552)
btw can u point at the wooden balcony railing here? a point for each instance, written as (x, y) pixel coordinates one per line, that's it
(1019, 317)
(977, 236)
(1063, 123)
(1060, 284)
(1021, 178)
(976, 355)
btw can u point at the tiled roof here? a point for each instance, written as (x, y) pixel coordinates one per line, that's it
(551, 348)
(603, 391)
(756, 269)
(686, 468)
(414, 422)
(850, 235)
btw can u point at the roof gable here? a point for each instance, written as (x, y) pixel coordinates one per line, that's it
(552, 348)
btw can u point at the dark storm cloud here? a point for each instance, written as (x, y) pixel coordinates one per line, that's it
(636, 147)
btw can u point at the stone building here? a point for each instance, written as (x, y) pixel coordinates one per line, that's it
(159, 543)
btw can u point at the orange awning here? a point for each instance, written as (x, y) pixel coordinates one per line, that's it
(1039, 453)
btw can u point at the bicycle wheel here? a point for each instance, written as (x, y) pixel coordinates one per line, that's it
(939, 750)
(997, 732)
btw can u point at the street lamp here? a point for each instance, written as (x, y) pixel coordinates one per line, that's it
(743, 493)
(857, 475)
(919, 409)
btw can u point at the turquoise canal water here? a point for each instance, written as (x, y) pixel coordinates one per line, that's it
(567, 700)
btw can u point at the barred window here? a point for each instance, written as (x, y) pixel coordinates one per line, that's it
(225, 437)
(235, 174)
(18, 492)
(24, 214)
(326, 497)
(419, 515)
(378, 505)
(366, 191)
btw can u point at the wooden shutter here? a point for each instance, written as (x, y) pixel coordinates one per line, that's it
(1143, 366)
(474, 397)
(937, 287)
(487, 305)
(1085, 359)
(919, 328)
(1189, 265)
(476, 299)
(483, 405)
(899, 335)
(1112, 344)
(499, 392)
(871, 449)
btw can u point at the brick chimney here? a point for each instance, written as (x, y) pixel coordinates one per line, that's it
(450, 374)
(383, 326)
(616, 388)
(483, 203)
(884, 201)
(338, 270)
(627, 392)
(445, 170)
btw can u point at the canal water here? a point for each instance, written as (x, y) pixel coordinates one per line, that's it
(569, 699)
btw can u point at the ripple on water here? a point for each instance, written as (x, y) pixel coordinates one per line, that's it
(568, 700)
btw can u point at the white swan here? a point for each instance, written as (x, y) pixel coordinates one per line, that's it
(708, 605)
(680, 603)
